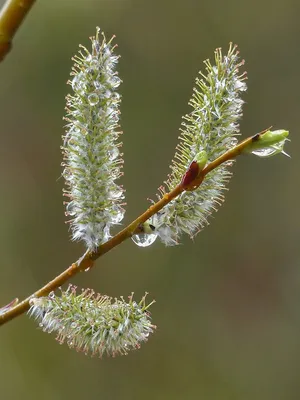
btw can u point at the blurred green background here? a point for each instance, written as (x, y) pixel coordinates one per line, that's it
(228, 304)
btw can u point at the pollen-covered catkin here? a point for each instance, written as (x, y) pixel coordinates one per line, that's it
(93, 323)
(211, 127)
(92, 159)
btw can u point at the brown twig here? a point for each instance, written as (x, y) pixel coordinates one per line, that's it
(12, 15)
(87, 260)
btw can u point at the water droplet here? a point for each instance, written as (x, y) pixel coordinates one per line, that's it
(114, 117)
(118, 214)
(94, 63)
(67, 174)
(87, 269)
(266, 152)
(98, 85)
(78, 83)
(115, 81)
(115, 173)
(70, 208)
(51, 295)
(92, 72)
(107, 94)
(240, 85)
(106, 233)
(113, 153)
(73, 325)
(144, 239)
(116, 194)
(93, 99)
(116, 96)
(41, 325)
(75, 82)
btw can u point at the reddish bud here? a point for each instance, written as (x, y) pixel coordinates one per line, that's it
(190, 174)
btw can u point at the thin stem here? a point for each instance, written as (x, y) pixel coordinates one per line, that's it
(87, 260)
(229, 155)
(12, 15)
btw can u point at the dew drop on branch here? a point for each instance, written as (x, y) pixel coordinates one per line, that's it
(266, 152)
(144, 239)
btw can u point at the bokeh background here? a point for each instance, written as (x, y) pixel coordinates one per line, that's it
(228, 304)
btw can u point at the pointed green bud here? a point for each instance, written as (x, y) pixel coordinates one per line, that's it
(146, 227)
(268, 143)
(201, 159)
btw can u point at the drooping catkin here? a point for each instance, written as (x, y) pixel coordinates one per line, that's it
(93, 323)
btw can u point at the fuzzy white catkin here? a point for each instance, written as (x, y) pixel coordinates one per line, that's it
(92, 159)
(211, 127)
(93, 323)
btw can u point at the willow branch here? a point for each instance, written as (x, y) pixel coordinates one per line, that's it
(87, 260)
(12, 15)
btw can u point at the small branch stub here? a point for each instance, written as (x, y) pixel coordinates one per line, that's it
(12, 15)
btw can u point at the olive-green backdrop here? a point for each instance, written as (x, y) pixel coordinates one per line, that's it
(228, 304)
